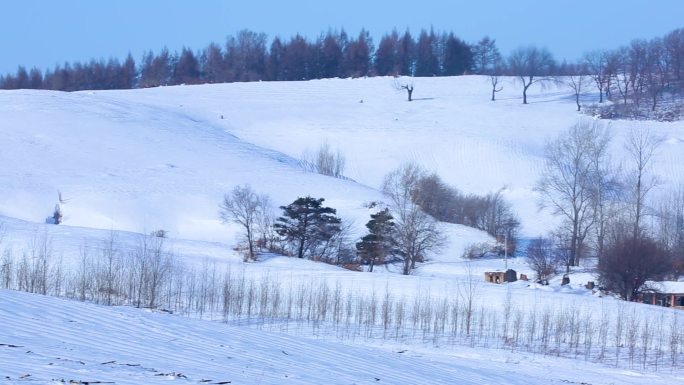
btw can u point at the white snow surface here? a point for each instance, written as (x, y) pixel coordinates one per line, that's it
(130, 162)
(45, 340)
(140, 160)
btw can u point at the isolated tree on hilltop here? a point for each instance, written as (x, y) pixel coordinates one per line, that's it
(531, 65)
(404, 84)
(379, 243)
(307, 224)
(487, 61)
(485, 55)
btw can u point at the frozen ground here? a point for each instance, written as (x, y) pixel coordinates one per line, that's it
(46, 340)
(130, 162)
(162, 158)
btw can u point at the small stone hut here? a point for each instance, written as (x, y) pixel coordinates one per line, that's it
(509, 275)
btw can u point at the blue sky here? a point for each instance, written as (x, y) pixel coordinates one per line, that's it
(43, 33)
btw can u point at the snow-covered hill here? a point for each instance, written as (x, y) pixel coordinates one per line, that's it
(46, 340)
(141, 160)
(127, 163)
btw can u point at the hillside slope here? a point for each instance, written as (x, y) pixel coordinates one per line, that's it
(46, 340)
(144, 159)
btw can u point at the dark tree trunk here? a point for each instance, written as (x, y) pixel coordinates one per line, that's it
(526, 84)
(300, 253)
(250, 242)
(407, 266)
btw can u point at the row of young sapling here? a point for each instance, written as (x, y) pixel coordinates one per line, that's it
(623, 335)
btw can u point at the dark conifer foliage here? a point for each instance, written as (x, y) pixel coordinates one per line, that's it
(186, 70)
(406, 55)
(427, 61)
(646, 75)
(387, 54)
(380, 243)
(457, 56)
(297, 63)
(274, 67)
(357, 57)
(307, 226)
(249, 56)
(331, 54)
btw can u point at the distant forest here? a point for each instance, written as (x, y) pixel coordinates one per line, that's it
(641, 73)
(248, 56)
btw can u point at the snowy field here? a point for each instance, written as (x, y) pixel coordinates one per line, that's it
(127, 163)
(163, 158)
(45, 340)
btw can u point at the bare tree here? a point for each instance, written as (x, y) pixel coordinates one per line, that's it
(487, 61)
(111, 267)
(608, 193)
(629, 263)
(7, 269)
(404, 84)
(151, 267)
(657, 70)
(597, 64)
(531, 65)
(494, 80)
(325, 161)
(542, 258)
(417, 232)
(623, 78)
(159, 264)
(568, 185)
(577, 80)
(674, 47)
(244, 207)
(637, 57)
(265, 220)
(642, 146)
(670, 218)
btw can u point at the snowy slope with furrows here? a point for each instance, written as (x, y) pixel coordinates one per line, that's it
(130, 162)
(46, 340)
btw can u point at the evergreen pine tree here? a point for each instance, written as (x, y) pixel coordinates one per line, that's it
(379, 243)
(307, 224)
